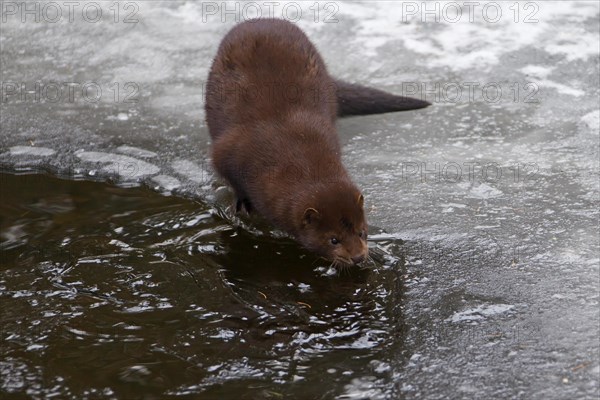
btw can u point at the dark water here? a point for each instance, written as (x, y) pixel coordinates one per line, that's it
(113, 292)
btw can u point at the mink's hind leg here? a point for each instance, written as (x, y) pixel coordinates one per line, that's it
(243, 203)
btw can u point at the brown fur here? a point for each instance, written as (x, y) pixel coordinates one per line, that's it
(271, 108)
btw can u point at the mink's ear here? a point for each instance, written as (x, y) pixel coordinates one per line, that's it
(361, 200)
(310, 216)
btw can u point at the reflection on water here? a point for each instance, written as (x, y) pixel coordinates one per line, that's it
(122, 293)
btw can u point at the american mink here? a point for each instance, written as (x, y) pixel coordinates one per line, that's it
(271, 109)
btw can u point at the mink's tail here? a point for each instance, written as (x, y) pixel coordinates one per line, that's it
(361, 100)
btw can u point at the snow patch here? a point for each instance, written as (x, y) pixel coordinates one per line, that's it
(592, 120)
(125, 166)
(166, 182)
(192, 171)
(31, 151)
(136, 151)
(537, 71)
(480, 312)
(484, 191)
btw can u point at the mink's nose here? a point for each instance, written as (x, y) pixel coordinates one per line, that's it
(358, 259)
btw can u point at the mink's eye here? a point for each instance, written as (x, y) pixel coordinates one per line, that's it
(334, 241)
(361, 234)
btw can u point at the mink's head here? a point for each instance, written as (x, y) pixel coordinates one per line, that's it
(333, 224)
